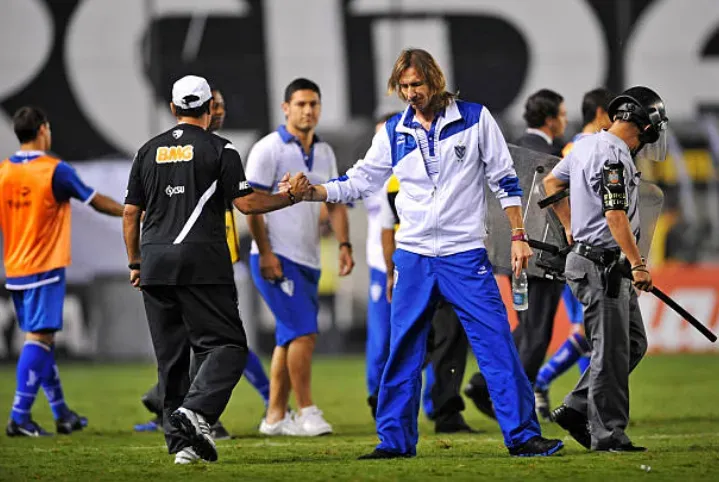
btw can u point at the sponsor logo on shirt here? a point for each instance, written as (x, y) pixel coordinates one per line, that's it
(19, 198)
(173, 190)
(166, 154)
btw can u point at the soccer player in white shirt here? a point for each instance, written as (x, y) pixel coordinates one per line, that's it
(285, 256)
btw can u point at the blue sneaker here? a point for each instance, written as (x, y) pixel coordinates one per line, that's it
(27, 429)
(152, 426)
(70, 422)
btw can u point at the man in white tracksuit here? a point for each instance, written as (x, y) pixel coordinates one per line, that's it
(441, 150)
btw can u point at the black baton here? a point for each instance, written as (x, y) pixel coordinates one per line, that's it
(684, 313)
(550, 248)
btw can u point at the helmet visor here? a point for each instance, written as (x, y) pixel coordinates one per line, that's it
(656, 151)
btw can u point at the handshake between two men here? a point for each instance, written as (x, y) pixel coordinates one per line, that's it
(300, 188)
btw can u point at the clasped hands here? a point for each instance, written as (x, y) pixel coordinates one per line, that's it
(298, 185)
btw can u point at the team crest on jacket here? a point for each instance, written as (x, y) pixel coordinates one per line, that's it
(460, 150)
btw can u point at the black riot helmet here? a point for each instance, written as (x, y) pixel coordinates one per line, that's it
(643, 107)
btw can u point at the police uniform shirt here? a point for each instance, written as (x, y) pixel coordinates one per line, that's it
(183, 180)
(602, 176)
(294, 231)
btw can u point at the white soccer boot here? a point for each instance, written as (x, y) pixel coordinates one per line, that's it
(309, 422)
(186, 456)
(197, 430)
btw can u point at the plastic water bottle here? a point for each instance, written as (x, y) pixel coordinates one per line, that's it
(520, 293)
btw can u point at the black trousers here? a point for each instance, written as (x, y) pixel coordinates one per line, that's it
(152, 399)
(534, 332)
(206, 320)
(448, 356)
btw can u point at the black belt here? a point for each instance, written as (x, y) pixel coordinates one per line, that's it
(602, 256)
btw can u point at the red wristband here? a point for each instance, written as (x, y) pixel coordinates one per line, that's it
(520, 237)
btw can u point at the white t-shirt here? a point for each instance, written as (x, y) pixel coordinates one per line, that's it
(293, 231)
(373, 204)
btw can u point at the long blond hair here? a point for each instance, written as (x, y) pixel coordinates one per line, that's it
(430, 71)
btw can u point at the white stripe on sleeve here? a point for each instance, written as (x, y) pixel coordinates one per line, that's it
(89, 198)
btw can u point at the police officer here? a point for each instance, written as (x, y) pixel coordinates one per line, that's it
(183, 179)
(604, 193)
(575, 348)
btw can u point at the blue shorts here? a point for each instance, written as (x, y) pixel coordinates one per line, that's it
(575, 310)
(40, 308)
(293, 301)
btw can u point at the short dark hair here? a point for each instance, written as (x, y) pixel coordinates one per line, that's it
(27, 122)
(195, 112)
(600, 97)
(540, 105)
(301, 84)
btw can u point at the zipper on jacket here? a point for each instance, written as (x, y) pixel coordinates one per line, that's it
(435, 212)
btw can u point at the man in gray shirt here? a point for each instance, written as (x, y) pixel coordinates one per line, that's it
(604, 228)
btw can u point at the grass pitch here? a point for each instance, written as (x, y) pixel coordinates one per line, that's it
(675, 412)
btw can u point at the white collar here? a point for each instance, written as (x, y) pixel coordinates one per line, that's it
(540, 133)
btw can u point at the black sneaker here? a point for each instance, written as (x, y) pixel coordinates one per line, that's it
(70, 422)
(382, 454)
(480, 397)
(27, 429)
(454, 423)
(537, 446)
(573, 422)
(219, 432)
(623, 448)
(541, 403)
(194, 426)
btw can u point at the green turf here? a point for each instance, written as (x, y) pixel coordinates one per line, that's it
(675, 412)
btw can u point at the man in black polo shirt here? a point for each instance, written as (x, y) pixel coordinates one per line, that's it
(183, 179)
(254, 372)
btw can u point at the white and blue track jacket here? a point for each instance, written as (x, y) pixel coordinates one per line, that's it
(447, 217)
